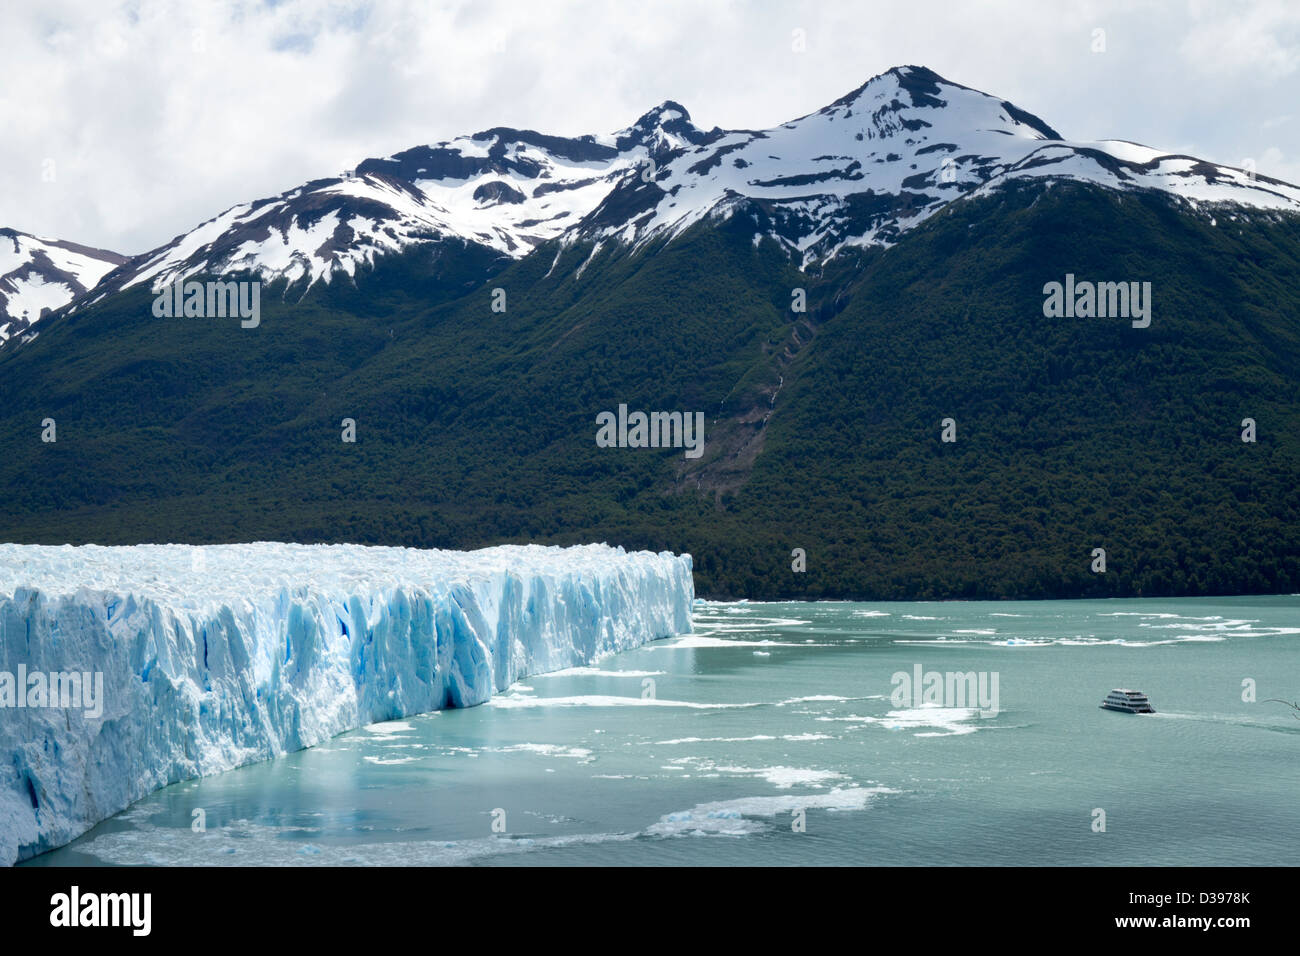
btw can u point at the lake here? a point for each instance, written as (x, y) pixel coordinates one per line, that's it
(774, 734)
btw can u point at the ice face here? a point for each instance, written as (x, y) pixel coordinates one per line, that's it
(194, 660)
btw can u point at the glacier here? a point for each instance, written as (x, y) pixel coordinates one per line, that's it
(217, 656)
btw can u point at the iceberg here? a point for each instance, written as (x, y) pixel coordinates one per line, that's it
(146, 665)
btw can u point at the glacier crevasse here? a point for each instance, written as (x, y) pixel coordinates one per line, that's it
(217, 656)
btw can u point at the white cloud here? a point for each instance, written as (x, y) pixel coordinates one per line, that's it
(1273, 162)
(1259, 39)
(157, 115)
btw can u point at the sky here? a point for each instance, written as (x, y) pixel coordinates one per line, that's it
(123, 124)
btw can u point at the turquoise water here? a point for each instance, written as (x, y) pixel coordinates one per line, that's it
(770, 716)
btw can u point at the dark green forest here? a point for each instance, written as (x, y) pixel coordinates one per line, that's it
(477, 427)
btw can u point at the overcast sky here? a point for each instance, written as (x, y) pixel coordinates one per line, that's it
(124, 124)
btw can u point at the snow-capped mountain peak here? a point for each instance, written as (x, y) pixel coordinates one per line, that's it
(664, 129)
(860, 171)
(38, 276)
(900, 99)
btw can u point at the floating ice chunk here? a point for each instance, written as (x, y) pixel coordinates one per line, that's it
(738, 817)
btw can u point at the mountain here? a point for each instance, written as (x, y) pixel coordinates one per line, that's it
(38, 276)
(504, 190)
(859, 172)
(925, 301)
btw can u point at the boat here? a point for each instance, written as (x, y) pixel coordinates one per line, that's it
(1128, 702)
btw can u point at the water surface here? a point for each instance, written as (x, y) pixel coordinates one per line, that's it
(768, 736)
